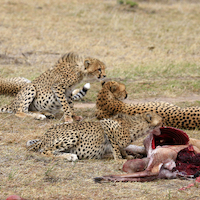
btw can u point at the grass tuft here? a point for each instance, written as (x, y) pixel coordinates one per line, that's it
(151, 47)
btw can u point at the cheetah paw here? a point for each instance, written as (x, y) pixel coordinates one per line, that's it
(68, 156)
(49, 115)
(40, 117)
(72, 157)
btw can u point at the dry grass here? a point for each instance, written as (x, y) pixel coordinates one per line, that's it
(154, 49)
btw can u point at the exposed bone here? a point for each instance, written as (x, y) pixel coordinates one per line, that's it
(158, 164)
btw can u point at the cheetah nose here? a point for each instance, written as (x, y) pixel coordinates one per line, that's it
(126, 96)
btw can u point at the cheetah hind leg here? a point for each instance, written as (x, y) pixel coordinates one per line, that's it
(59, 148)
(22, 102)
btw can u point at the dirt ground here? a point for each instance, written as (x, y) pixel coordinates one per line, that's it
(153, 48)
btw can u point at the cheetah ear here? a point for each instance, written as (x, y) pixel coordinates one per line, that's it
(113, 88)
(86, 63)
(148, 117)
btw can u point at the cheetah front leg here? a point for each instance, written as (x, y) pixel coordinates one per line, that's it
(116, 151)
(67, 156)
(119, 153)
(59, 91)
(71, 104)
(110, 127)
(22, 102)
(118, 136)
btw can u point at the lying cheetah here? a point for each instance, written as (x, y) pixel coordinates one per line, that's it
(109, 99)
(87, 140)
(11, 86)
(109, 103)
(52, 89)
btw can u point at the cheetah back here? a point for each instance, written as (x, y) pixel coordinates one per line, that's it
(174, 116)
(85, 139)
(92, 139)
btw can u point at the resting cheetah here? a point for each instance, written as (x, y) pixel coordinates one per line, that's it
(93, 139)
(109, 104)
(52, 89)
(109, 98)
(11, 86)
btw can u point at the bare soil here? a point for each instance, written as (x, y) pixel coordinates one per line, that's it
(191, 98)
(152, 48)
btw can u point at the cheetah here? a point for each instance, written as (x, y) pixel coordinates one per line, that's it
(109, 102)
(11, 87)
(52, 90)
(92, 139)
(109, 99)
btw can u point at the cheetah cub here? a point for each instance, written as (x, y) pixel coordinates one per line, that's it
(52, 90)
(109, 102)
(87, 140)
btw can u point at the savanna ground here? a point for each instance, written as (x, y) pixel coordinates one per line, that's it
(153, 48)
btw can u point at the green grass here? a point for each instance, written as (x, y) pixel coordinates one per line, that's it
(153, 49)
(156, 71)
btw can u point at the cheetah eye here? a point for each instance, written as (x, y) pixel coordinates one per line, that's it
(99, 69)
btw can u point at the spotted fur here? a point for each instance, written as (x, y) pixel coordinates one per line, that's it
(109, 104)
(109, 98)
(12, 86)
(89, 140)
(52, 90)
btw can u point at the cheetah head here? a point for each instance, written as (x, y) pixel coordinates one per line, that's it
(153, 119)
(95, 68)
(117, 89)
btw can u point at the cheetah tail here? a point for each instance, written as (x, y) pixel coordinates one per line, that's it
(6, 109)
(33, 145)
(81, 93)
